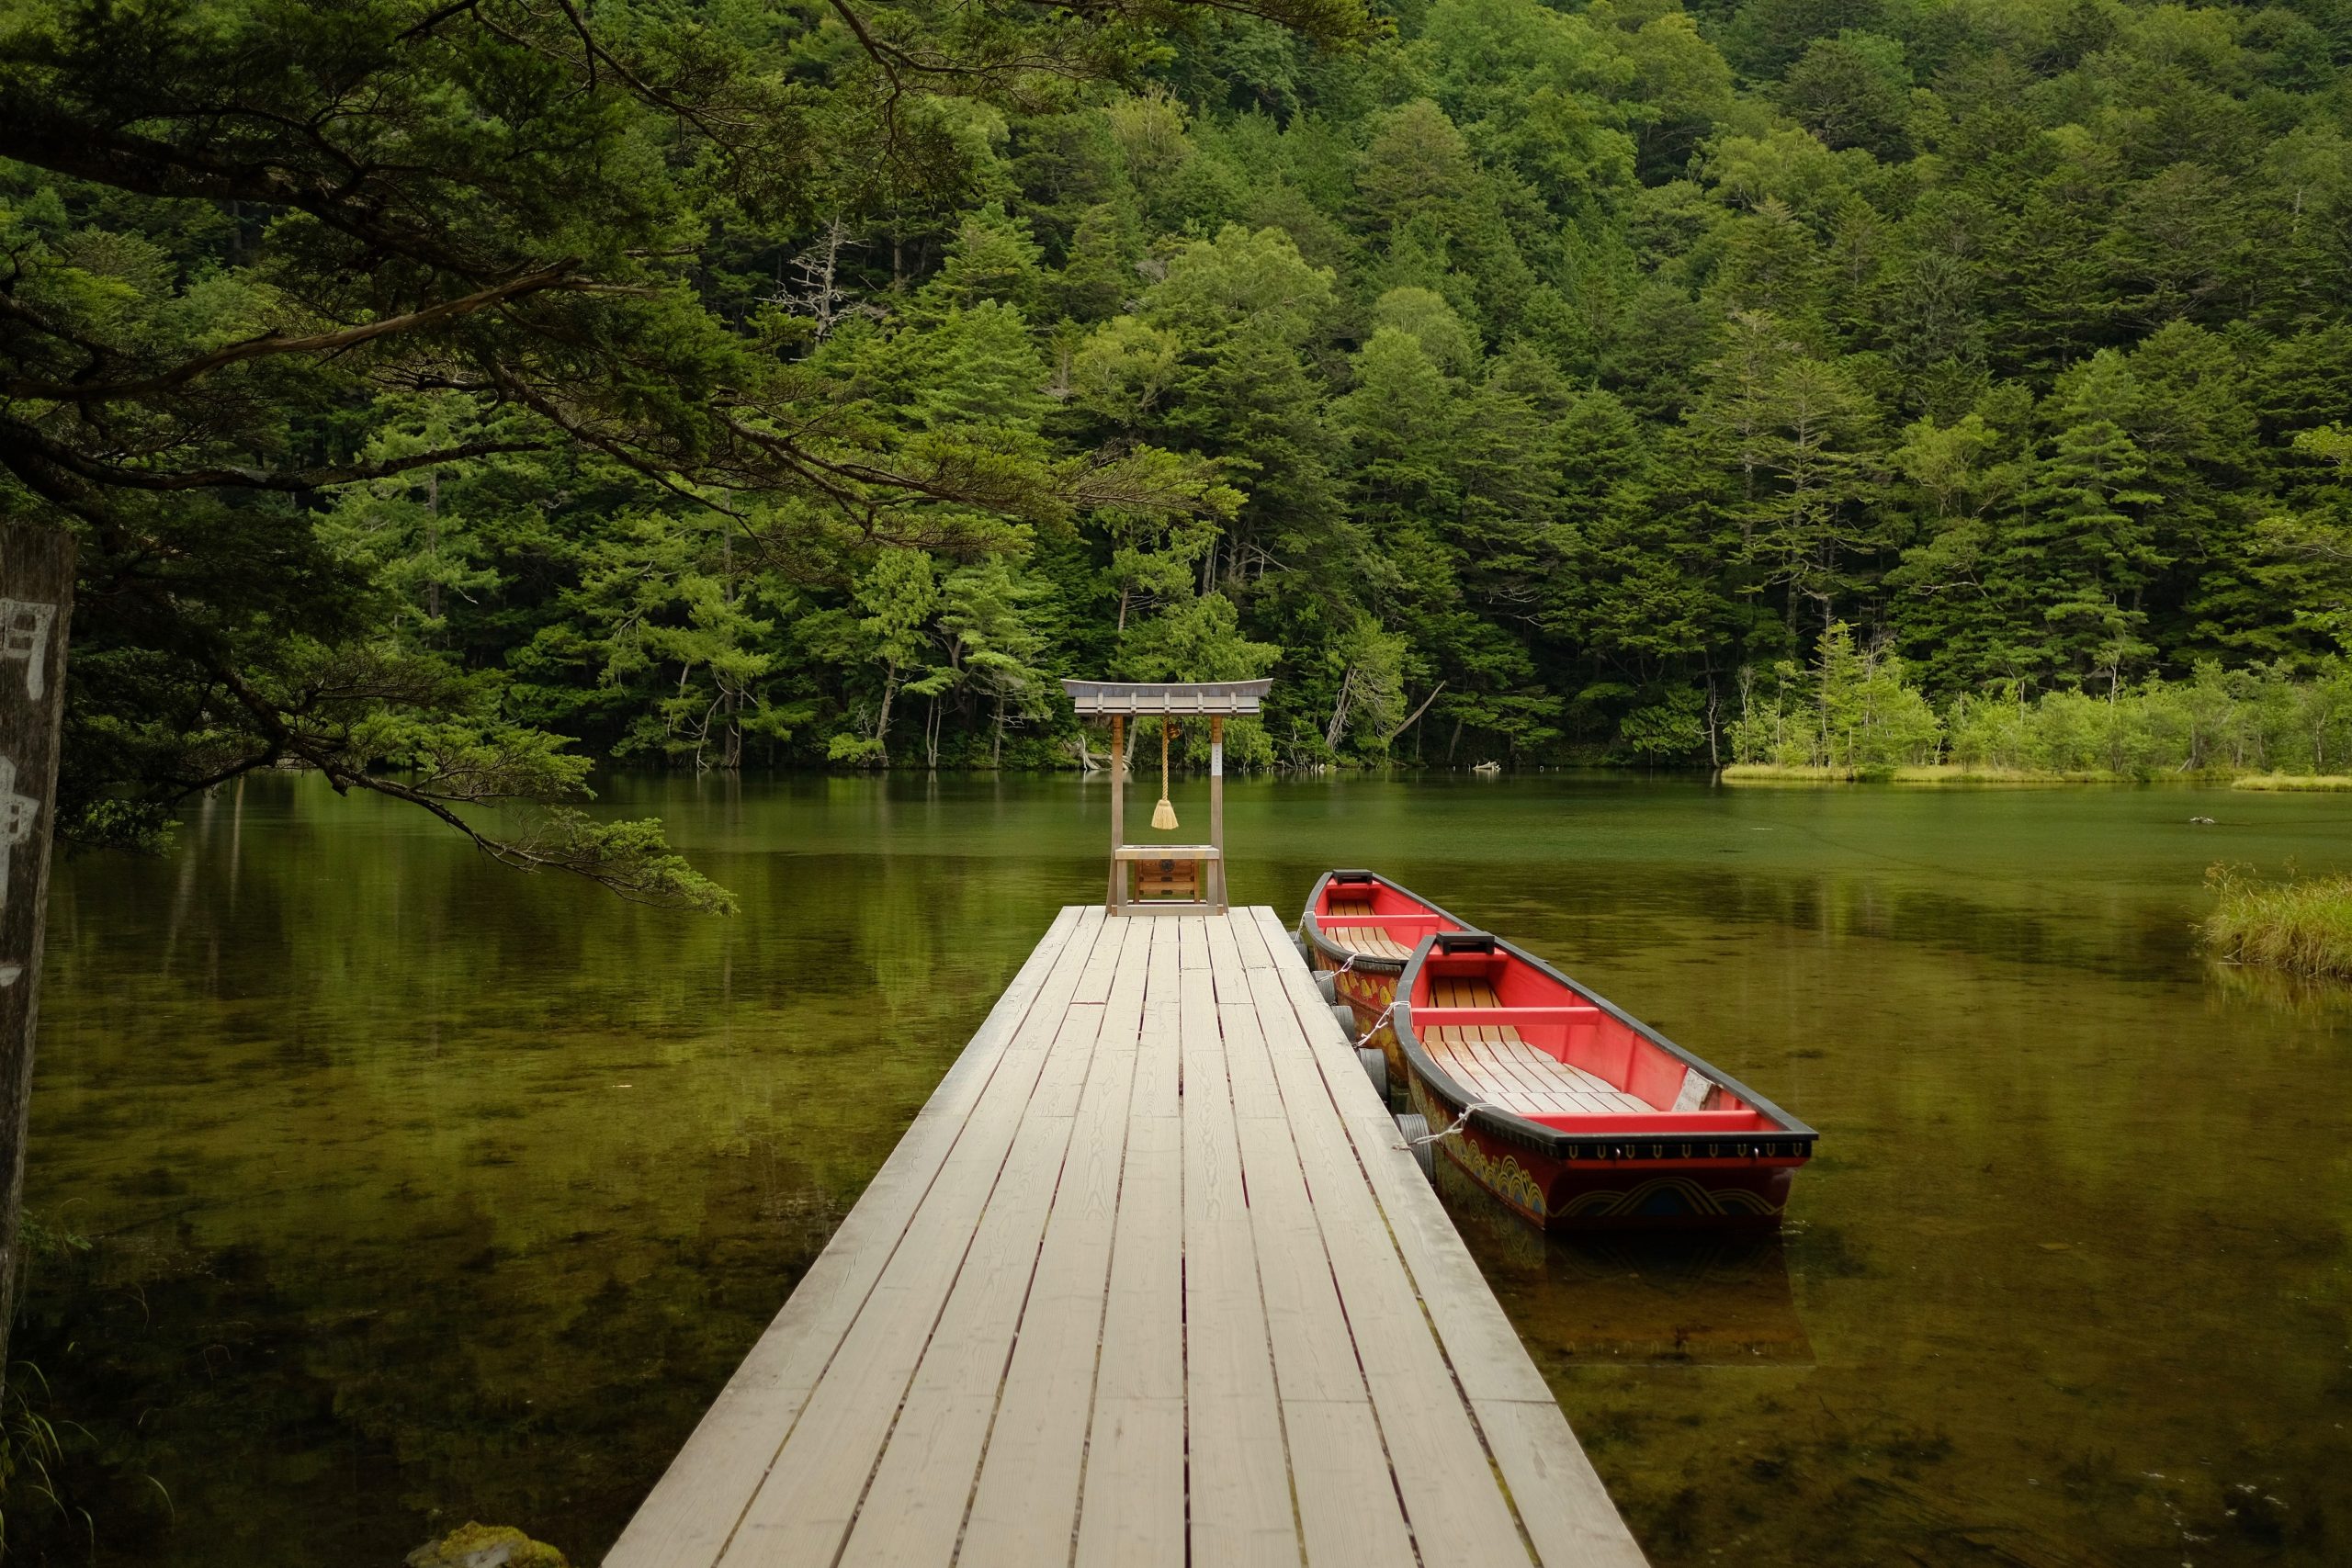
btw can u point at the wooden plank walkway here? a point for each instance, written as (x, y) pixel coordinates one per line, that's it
(1151, 1279)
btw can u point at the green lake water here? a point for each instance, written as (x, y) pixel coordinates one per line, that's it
(417, 1191)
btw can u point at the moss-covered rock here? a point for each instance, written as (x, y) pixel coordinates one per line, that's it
(486, 1546)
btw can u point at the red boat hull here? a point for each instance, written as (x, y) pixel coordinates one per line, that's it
(1572, 1113)
(1609, 1194)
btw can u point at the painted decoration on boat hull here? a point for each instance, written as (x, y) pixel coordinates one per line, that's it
(1603, 1194)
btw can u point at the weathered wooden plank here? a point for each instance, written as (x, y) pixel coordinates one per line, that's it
(810, 1499)
(1439, 1463)
(1131, 1507)
(1143, 1326)
(1315, 1355)
(1192, 941)
(1252, 941)
(687, 1518)
(1238, 1472)
(1024, 1507)
(913, 1506)
(1158, 1059)
(1560, 1501)
(1486, 1352)
(804, 1506)
(1224, 956)
(1249, 1078)
(1133, 1512)
(1347, 1498)
(1095, 986)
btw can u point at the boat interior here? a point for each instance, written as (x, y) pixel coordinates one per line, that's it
(1368, 917)
(1526, 1043)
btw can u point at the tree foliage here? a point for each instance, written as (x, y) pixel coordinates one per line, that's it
(449, 396)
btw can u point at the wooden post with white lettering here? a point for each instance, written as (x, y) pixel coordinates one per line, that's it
(36, 608)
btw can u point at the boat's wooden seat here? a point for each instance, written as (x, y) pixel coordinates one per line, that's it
(1493, 1062)
(1372, 941)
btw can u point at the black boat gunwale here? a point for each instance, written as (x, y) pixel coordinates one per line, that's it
(1792, 1139)
(1311, 927)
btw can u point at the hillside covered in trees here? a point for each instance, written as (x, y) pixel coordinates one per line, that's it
(1507, 380)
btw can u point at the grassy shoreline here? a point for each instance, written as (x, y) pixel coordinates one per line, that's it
(2303, 925)
(1954, 772)
(1920, 773)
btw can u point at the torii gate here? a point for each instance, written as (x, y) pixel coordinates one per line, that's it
(1171, 879)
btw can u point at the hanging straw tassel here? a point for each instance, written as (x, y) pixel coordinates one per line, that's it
(1163, 816)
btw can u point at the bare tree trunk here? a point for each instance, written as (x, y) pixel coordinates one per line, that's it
(1339, 725)
(1413, 718)
(36, 613)
(882, 720)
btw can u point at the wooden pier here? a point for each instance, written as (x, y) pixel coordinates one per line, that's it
(1151, 1279)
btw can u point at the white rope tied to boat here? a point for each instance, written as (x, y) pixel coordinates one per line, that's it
(1452, 1127)
(1365, 1039)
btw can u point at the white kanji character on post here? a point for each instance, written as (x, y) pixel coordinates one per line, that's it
(24, 635)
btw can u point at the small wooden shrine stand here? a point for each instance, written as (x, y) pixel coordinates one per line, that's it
(1168, 879)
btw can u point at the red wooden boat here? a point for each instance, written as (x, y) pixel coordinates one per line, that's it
(1580, 1116)
(1360, 928)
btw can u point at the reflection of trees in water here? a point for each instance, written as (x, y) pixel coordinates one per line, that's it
(425, 1191)
(344, 1107)
(298, 1415)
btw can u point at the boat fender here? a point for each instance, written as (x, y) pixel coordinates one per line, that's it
(1304, 951)
(1375, 1067)
(1345, 1016)
(1416, 1130)
(1329, 984)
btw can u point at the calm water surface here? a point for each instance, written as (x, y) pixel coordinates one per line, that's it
(416, 1190)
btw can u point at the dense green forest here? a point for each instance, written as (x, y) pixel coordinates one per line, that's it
(457, 394)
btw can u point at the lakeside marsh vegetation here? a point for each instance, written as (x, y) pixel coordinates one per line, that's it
(2302, 925)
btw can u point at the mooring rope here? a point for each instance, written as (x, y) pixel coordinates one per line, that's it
(1452, 1127)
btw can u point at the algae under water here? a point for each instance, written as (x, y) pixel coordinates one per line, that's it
(422, 1192)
